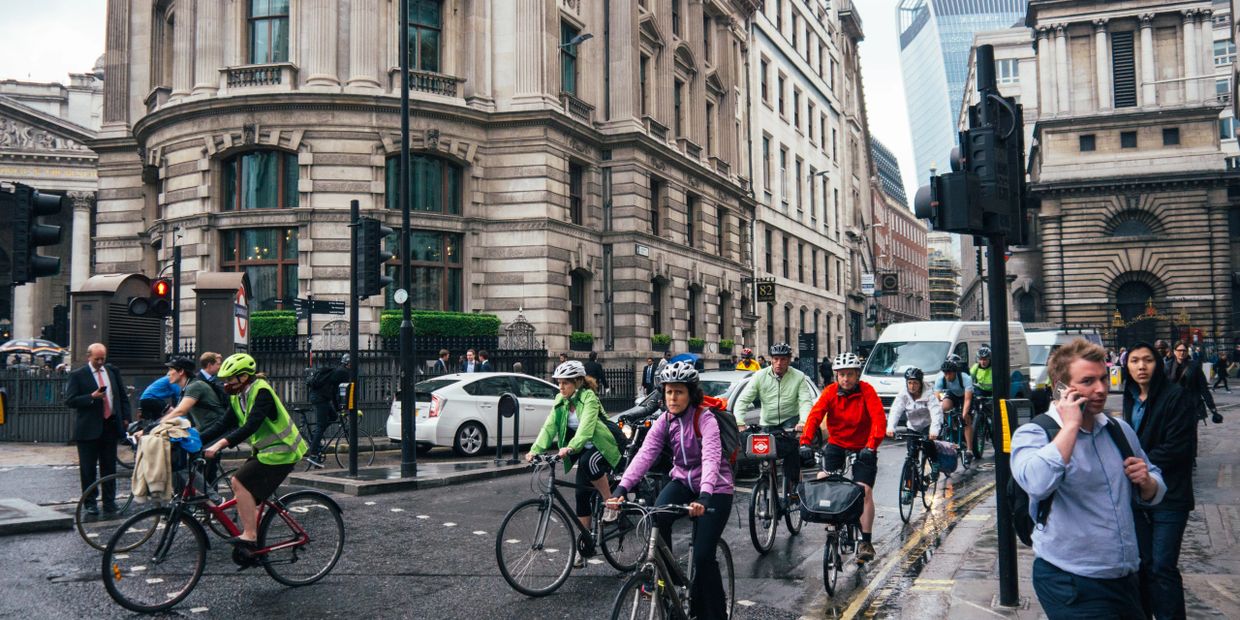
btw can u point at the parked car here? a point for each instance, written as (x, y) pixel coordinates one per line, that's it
(459, 410)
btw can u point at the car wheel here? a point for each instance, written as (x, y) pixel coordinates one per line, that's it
(424, 449)
(470, 440)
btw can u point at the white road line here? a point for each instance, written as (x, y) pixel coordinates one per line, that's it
(746, 603)
(424, 516)
(197, 610)
(370, 503)
(397, 509)
(449, 524)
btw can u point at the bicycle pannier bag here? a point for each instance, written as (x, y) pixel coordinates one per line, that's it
(948, 456)
(832, 500)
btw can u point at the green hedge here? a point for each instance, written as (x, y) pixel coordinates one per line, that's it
(581, 338)
(271, 323)
(434, 323)
(697, 342)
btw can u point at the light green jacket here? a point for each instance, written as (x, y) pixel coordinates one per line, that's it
(781, 399)
(590, 427)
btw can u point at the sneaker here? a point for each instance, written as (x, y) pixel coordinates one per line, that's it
(865, 552)
(1217, 418)
(315, 460)
(611, 515)
(91, 510)
(579, 561)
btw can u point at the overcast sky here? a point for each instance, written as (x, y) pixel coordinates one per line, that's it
(45, 40)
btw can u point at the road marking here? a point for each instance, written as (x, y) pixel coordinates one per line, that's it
(937, 582)
(480, 532)
(424, 516)
(744, 603)
(370, 503)
(397, 509)
(198, 610)
(931, 588)
(512, 541)
(449, 524)
(153, 580)
(978, 517)
(594, 561)
(975, 605)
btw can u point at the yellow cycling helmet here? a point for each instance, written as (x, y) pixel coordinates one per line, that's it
(238, 364)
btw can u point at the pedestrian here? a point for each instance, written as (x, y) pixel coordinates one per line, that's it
(826, 371)
(1123, 355)
(163, 393)
(96, 392)
(1156, 408)
(648, 376)
(762, 363)
(484, 361)
(563, 358)
(1189, 376)
(518, 368)
(1086, 549)
(471, 363)
(1220, 372)
(324, 388)
(441, 365)
(208, 366)
(595, 369)
(1164, 351)
(658, 369)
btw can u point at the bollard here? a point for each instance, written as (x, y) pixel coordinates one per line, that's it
(508, 407)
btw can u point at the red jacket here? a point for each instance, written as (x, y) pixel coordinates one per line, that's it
(854, 422)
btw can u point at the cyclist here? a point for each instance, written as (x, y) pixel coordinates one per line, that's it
(165, 391)
(924, 413)
(259, 418)
(854, 423)
(747, 361)
(576, 426)
(325, 399)
(701, 476)
(957, 389)
(785, 397)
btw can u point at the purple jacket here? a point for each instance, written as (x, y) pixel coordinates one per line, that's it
(698, 462)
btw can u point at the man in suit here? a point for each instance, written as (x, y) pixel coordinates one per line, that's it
(441, 364)
(484, 363)
(471, 362)
(209, 366)
(97, 393)
(648, 376)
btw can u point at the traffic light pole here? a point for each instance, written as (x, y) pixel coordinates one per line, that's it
(354, 324)
(176, 299)
(408, 428)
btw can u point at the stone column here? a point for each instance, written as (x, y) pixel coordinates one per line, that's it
(319, 37)
(1205, 40)
(479, 87)
(210, 47)
(364, 45)
(531, 71)
(1191, 71)
(182, 49)
(79, 270)
(1149, 97)
(1103, 57)
(1062, 82)
(116, 65)
(1046, 71)
(625, 68)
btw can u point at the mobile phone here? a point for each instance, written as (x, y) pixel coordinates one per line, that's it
(1061, 388)
(103, 388)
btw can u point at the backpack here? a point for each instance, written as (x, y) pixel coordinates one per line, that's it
(1022, 522)
(729, 435)
(318, 378)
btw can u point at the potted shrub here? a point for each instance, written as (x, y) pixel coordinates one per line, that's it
(696, 345)
(581, 341)
(660, 342)
(726, 345)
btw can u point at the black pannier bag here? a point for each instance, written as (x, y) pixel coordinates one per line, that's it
(835, 500)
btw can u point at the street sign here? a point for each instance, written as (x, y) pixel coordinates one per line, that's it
(323, 306)
(766, 292)
(301, 307)
(867, 284)
(241, 324)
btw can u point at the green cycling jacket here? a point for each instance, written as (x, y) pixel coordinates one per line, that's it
(782, 398)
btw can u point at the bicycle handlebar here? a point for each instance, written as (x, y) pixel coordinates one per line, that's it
(546, 459)
(665, 508)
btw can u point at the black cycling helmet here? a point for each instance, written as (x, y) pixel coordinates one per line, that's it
(949, 366)
(780, 348)
(914, 374)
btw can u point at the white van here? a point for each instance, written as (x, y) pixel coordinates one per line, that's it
(925, 344)
(1042, 343)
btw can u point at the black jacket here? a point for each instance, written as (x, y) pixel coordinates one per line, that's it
(1168, 433)
(1192, 379)
(595, 369)
(328, 390)
(88, 423)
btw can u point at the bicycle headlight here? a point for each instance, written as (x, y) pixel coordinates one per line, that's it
(628, 431)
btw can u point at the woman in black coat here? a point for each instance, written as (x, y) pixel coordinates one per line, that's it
(1165, 421)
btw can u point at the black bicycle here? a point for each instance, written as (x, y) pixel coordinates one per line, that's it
(660, 588)
(336, 439)
(953, 432)
(841, 537)
(917, 475)
(537, 542)
(768, 503)
(982, 416)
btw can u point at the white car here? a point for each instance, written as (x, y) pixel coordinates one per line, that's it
(727, 386)
(460, 410)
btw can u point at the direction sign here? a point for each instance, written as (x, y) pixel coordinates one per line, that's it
(766, 292)
(867, 284)
(323, 306)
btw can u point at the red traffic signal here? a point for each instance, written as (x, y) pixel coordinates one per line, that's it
(157, 304)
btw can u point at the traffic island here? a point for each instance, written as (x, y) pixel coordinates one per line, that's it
(377, 480)
(18, 516)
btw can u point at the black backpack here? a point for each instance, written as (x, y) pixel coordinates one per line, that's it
(1022, 522)
(729, 434)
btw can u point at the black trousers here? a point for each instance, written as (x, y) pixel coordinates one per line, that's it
(324, 415)
(99, 454)
(708, 597)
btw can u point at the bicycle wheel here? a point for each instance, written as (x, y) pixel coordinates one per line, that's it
(365, 447)
(792, 512)
(831, 562)
(314, 530)
(981, 432)
(96, 530)
(723, 554)
(126, 454)
(154, 572)
(907, 490)
(640, 597)
(930, 482)
(535, 547)
(624, 541)
(762, 516)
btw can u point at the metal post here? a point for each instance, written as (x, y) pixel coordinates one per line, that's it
(176, 299)
(408, 423)
(310, 327)
(355, 227)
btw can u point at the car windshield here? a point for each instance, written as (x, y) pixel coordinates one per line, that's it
(1039, 353)
(422, 391)
(716, 388)
(893, 358)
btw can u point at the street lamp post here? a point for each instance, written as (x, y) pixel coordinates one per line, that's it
(408, 429)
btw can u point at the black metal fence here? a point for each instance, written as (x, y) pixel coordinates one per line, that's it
(35, 408)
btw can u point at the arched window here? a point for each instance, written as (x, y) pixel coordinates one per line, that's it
(1132, 297)
(260, 180)
(1026, 305)
(1133, 223)
(434, 184)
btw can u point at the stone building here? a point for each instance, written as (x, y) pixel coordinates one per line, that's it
(806, 119)
(45, 129)
(595, 185)
(1129, 170)
(898, 239)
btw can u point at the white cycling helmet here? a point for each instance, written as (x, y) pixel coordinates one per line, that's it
(846, 360)
(679, 372)
(569, 370)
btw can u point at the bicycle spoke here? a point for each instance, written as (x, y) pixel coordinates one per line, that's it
(310, 534)
(535, 547)
(156, 571)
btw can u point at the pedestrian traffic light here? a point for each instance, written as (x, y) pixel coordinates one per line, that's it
(157, 304)
(371, 257)
(27, 205)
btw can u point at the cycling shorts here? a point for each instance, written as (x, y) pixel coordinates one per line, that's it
(864, 469)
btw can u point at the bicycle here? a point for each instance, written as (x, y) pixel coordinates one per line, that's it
(537, 542)
(767, 504)
(336, 440)
(660, 589)
(635, 427)
(981, 422)
(158, 555)
(953, 432)
(841, 537)
(917, 475)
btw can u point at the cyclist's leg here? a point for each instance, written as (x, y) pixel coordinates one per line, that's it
(790, 449)
(322, 417)
(592, 471)
(833, 458)
(864, 472)
(253, 483)
(674, 492)
(707, 595)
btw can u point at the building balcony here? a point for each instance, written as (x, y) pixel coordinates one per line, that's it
(280, 74)
(657, 130)
(427, 82)
(722, 167)
(577, 108)
(689, 148)
(156, 98)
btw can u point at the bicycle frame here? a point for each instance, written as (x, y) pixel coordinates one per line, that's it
(551, 494)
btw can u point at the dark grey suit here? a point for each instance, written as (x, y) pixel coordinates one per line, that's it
(97, 438)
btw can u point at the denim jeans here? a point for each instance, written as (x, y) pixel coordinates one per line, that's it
(1159, 535)
(1065, 596)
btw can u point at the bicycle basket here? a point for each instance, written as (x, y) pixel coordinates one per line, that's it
(835, 500)
(948, 456)
(760, 446)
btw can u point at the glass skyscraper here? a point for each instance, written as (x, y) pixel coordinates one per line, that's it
(935, 39)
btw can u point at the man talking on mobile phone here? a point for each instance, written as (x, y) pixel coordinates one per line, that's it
(1092, 468)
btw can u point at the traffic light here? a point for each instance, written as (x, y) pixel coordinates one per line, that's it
(157, 304)
(371, 258)
(29, 235)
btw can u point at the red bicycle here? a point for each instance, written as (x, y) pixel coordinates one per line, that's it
(157, 556)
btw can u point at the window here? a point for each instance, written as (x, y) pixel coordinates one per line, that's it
(769, 246)
(435, 261)
(434, 184)
(656, 191)
(707, 39)
(269, 257)
(1222, 89)
(1124, 70)
(779, 15)
(721, 231)
(578, 282)
(822, 131)
(783, 175)
(656, 306)
(835, 151)
(800, 261)
(676, 18)
(1007, 70)
(783, 107)
(694, 295)
(796, 108)
(1224, 52)
(770, 324)
(691, 204)
(801, 325)
(809, 120)
(1128, 139)
(1227, 128)
(576, 188)
(529, 387)
(260, 180)
(1171, 136)
(831, 77)
(643, 79)
(800, 208)
(787, 324)
(1131, 227)
(490, 386)
(766, 162)
(796, 26)
(1088, 142)
(678, 110)
(568, 59)
(268, 30)
(710, 128)
(785, 255)
(826, 271)
(425, 32)
(813, 263)
(766, 81)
